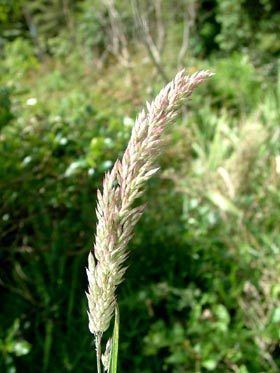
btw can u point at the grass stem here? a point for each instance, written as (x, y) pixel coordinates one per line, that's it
(98, 352)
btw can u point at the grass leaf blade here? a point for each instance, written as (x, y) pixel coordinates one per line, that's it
(115, 343)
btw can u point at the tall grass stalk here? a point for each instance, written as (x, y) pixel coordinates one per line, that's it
(123, 185)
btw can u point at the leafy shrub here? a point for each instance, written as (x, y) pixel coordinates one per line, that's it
(20, 58)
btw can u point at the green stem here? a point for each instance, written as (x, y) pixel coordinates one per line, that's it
(98, 352)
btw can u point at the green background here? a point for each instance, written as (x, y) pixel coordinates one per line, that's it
(202, 289)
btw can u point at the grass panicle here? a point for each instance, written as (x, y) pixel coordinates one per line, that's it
(123, 185)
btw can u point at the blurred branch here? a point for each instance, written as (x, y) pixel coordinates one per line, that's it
(144, 32)
(119, 41)
(160, 26)
(189, 21)
(68, 17)
(33, 31)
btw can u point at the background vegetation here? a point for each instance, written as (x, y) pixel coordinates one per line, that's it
(202, 290)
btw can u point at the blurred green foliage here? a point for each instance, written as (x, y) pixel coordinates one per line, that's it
(202, 290)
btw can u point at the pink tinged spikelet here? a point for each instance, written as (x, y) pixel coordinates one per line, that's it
(121, 187)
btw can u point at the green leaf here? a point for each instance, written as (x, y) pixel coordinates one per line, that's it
(223, 203)
(21, 348)
(210, 364)
(276, 315)
(115, 343)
